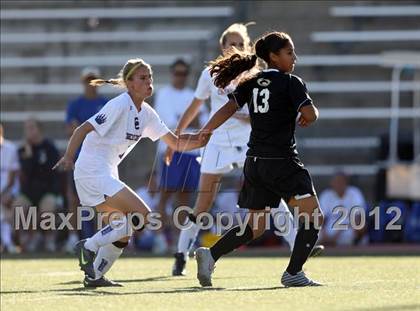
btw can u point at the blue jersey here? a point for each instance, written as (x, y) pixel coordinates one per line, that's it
(82, 108)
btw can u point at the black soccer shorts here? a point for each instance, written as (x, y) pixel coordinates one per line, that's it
(267, 181)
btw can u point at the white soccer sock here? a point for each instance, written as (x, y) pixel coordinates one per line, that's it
(105, 258)
(187, 238)
(290, 231)
(115, 231)
(6, 234)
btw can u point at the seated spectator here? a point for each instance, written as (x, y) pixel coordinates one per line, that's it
(40, 185)
(9, 165)
(341, 194)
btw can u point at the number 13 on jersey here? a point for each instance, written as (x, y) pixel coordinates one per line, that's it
(264, 95)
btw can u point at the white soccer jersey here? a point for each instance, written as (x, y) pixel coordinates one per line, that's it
(233, 132)
(118, 128)
(9, 161)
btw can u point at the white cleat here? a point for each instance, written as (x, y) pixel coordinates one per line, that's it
(205, 266)
(297, 280)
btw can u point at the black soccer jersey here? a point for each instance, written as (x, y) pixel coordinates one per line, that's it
(274, 99)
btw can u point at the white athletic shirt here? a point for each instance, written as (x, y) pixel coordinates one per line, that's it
(9, 161)
(170, 105)
(329, 200)
(118, 128)
(233, 132)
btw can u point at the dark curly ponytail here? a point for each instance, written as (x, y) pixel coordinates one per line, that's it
(229, 67)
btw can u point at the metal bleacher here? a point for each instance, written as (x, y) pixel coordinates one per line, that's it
(340, 49)
(44, 46)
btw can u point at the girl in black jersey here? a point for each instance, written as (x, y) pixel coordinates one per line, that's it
(276, 100)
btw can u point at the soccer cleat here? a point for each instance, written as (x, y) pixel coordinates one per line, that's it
(317, 250)
(205, 266)
(86, 258)
(102, 282)
(179, 266)
(297, 280)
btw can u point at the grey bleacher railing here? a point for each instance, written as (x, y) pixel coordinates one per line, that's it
(134, 12)
(375, 11)
(106, 36)
(97, 60)
(370, 36)
(116, 60)
(313, 86)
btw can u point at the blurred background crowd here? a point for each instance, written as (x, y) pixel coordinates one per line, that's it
(364, 151)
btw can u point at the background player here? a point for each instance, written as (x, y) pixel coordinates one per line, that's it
(179, 180)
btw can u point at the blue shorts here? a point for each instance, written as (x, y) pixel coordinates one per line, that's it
(182, 174)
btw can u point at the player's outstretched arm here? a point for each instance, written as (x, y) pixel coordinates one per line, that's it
(185, 142)
(220, 116)
(189, 115)
(186, 119)
(76, 139)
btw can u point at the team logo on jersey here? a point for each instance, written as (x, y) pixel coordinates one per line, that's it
(130, 136)
(100, 118)
(263, 82)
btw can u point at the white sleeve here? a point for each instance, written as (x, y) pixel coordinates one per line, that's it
(203, 90)
(14, 161)
(155, 127)
(106, 117)
(166, 109)
(324, 202)
(358, 199)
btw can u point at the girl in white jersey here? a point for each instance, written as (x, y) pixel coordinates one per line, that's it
(107, 138)
(225, 150)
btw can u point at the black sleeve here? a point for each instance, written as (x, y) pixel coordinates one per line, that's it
(299, 93)
(241, 94)
(52, 154)
(27, 164)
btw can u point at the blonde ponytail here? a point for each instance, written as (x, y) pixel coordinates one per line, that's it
(115, 82)
(125, 74)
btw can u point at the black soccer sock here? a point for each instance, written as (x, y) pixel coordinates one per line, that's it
(231, 241)
(304, 242)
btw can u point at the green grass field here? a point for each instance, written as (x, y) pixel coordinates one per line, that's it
(352, 283)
